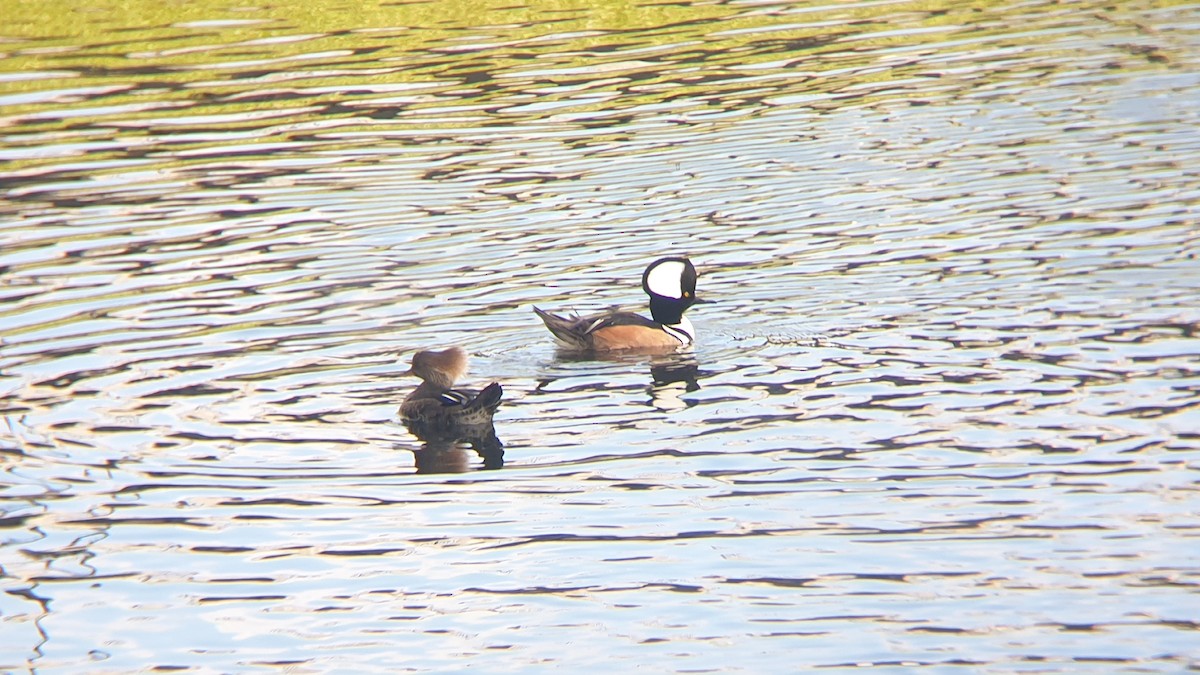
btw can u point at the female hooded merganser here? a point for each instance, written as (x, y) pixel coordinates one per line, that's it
(435, 402)
(671, 285)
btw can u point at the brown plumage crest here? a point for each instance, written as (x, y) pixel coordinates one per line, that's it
(442, 368)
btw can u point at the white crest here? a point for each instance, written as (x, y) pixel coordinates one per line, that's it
(666, 279)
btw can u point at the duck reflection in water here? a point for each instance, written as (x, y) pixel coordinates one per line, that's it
(449, 420)
(671, 375)
(446, 450)
(671, 378)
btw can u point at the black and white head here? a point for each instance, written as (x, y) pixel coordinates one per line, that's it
(671, 285)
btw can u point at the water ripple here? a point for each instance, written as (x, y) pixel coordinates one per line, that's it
(944, 398)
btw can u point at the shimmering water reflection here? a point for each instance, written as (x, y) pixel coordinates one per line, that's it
(942, 413)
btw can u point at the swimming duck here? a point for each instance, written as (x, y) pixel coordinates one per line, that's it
(671, 285)
(435, 402)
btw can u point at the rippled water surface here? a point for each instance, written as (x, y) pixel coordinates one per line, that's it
(942, 414)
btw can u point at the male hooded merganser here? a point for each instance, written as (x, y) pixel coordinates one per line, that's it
(435, 402)
(671, 285)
